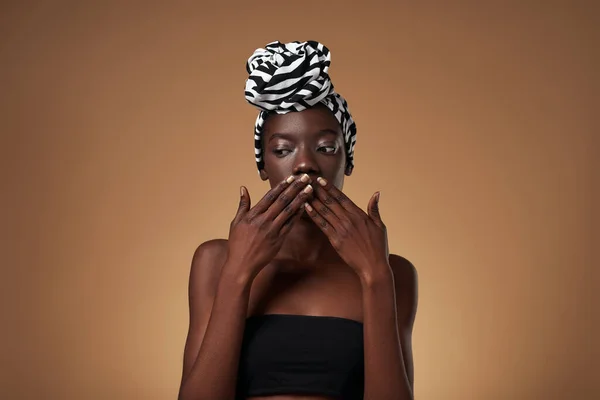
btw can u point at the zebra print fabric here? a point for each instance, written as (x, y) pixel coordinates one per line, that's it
(293, 77)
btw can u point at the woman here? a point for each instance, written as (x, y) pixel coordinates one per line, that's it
(303, 301)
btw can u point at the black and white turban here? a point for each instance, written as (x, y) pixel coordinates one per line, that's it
(293, 77)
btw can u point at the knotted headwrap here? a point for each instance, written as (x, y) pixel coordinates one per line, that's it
(293, 77)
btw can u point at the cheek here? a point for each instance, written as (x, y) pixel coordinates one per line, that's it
(340, 171)
(338, 180)
(277, 169)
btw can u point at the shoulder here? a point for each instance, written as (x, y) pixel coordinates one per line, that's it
(211, 250)
(406, 287)
(207, 261)
(404, 271)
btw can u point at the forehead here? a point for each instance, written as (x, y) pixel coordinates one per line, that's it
(309, 122)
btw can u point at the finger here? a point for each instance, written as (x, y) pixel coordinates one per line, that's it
(319, 220)
(287, 225)
(288, 195)
(271, 196)
(290, 209)
(373, 209)
(326, 213)
(334, 198)
(244, 204)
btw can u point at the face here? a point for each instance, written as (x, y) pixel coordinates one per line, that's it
(305, 142)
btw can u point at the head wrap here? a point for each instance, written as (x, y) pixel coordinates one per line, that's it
(293, 77)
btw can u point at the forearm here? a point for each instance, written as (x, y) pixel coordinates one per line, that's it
(214, 373)
(385, 372)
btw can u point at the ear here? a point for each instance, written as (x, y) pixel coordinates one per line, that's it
(263, 175)
(349, 169)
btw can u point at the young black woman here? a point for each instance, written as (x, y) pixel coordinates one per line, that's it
(303, 301)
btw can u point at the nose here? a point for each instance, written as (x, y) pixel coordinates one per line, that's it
(305, 162)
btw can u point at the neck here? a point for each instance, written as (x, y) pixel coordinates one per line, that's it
(306, 243)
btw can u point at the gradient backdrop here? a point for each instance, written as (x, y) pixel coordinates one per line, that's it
(125, 137)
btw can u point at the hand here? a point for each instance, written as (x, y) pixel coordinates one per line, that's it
(256, 234)
(359, 238)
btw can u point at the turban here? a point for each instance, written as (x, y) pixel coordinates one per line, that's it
(293, 77)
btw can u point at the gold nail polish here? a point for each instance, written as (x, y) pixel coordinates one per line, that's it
(321, 181)
(305, 178)
(308, 189)
(290, 179)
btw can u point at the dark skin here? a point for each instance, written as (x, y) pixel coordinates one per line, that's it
(327, 258)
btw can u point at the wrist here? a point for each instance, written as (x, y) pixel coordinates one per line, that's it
(376, 275)
(232, 274)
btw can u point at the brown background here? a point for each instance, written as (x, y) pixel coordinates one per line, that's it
(125, 137)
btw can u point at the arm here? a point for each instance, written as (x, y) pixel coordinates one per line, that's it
(218, 305)
(220, 280)
(388, 289)
(389, 307)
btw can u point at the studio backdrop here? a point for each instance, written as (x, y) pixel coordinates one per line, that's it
(125, 137)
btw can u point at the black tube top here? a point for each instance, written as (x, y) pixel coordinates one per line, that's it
(304, 355)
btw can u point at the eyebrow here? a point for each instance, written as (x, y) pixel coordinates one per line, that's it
(288, 136)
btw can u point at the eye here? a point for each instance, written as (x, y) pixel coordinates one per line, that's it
(328, 149)
(281, 152)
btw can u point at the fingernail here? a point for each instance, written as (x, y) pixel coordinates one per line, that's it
(305, 178)
(308, 189)
(308, 207)
(290, 179)
(242, 191)
(321, 181)
(377, 196)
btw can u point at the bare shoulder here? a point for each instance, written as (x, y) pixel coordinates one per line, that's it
(207, 261)
(404, 271)
(406, 285)
(211, 250)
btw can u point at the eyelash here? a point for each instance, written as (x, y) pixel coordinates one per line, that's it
(280, 152)
(329, 147)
